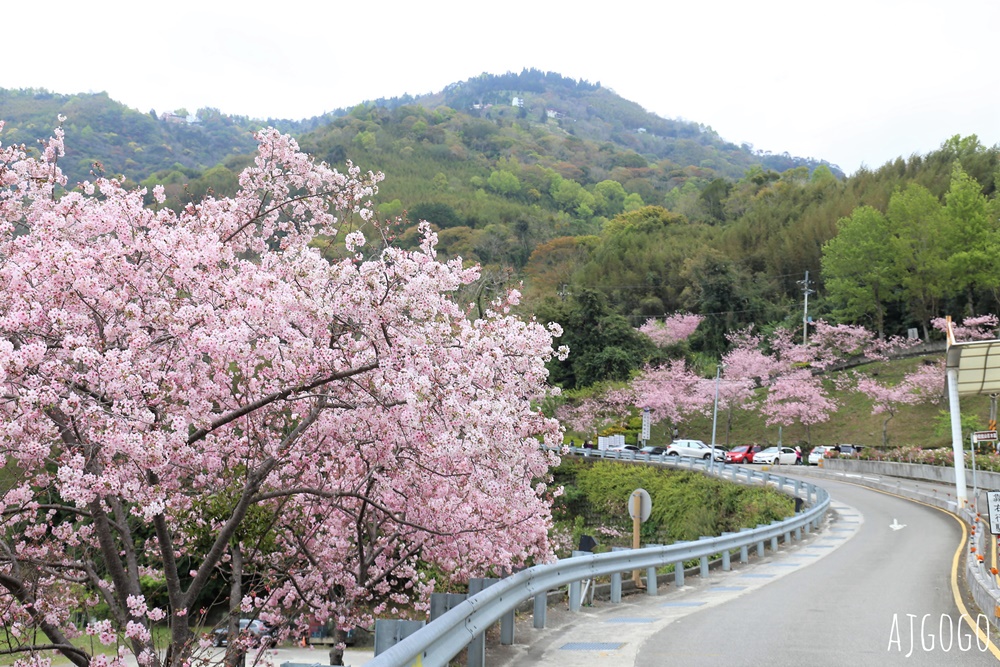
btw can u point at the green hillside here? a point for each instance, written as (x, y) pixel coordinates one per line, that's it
(602, 214)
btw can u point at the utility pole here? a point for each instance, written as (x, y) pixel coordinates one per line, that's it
(805, 308)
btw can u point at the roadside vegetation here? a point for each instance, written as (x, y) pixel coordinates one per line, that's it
(685, 505)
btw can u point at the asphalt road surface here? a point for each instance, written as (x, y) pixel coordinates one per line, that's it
(882, 597)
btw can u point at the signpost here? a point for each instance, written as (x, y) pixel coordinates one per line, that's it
(639, 507)
(993, 502)
(645, 426)
(977, 437)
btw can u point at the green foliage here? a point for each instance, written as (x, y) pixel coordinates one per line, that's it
(553, 193)
(970, 423)
(685, 505)
(860, 268)
(603, 345)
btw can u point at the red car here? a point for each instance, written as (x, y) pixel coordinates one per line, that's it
(742, 454)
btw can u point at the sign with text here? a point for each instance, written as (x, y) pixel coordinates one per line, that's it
(984, 436)
(993, 502)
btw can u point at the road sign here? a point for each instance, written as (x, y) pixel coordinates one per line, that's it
(645, 424)
(984, 436)
(644, 501)
(993, 502)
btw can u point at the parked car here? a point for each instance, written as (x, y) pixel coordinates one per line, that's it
(847, 450)
(742, 453)
(817, 454)
(692, 448)
(720, 453)
(776, 456)
(652, 450)
(255, 628)
(623, 448)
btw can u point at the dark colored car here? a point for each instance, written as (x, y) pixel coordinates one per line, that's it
(652, 450)
(255, 628)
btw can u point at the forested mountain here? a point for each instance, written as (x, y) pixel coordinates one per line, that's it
(599, 209)
(120, 139)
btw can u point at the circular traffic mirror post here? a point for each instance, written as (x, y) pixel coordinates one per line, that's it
(639, 507)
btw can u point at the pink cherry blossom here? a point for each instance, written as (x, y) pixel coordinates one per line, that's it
(202, 393)
(673, 329)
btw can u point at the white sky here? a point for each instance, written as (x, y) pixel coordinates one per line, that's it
(853, 82)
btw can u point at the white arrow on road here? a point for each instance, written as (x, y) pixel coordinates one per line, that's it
(895, 525)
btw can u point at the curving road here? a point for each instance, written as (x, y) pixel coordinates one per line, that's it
(883, 596)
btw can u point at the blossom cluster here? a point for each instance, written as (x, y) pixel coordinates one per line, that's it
(206, 389)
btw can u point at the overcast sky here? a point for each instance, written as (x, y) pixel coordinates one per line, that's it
(854, 82)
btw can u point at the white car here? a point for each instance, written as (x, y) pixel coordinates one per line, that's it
(691, 448)
(817, 454)
(774, 456)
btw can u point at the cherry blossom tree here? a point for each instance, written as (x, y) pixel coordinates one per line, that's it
(671, 391)
(925, 384)
(611, 406)
(674, 329)
(982, 327)
(200, 397)
(745, 368)
(797, 396)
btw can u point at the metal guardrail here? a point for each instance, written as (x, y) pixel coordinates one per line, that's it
(439, 641)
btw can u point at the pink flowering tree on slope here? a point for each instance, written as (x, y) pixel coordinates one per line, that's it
(982, 327)
(674, 329)
(611, 407)
(745, 368)
(925, 384)
(200, 395)
(795, 392)
(671, 390)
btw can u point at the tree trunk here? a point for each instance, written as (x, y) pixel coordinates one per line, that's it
(235, 658)
(337, 652)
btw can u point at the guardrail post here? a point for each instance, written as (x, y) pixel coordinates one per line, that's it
(679, 574)
(760, 543)
(744, 551)
(704, 560)
(442, 602)
(726, 566)
(774, 539)
(575, 595)
(477, 647)
(538, 612)
(507, 629)
(391, 631)
(616, 580)
(798, 533)
(651, 574)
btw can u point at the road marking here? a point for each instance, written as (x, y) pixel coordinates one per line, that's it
(895, 525)
(955, 592)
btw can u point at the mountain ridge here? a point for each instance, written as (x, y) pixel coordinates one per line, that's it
(129, 142)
